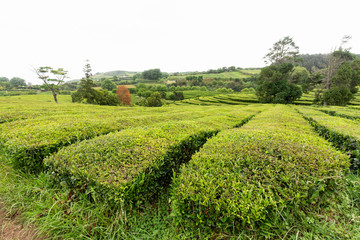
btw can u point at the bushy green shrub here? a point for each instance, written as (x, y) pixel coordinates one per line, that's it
(132, 166)
(104, 97)
(342, 133)
(338, 96)
(28, 141)
(153, 101)
(243, 178)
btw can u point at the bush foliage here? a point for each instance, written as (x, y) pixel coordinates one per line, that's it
(243, 178)
(134, 165)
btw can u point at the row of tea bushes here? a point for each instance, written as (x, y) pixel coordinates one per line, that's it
(343, 133)
(11, 112)
(134, 165)
(335, 124)
(27, 142)
(244, 177)
(343, 112)
(221, 99)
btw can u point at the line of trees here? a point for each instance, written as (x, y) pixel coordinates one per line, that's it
(335, 78)
(86, 92)
(14, 82)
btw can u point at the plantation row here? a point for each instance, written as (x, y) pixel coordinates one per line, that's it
(250, 174)
(27, 142)
(227, 168)
(342, 132)
(230, 99)
(135, 164)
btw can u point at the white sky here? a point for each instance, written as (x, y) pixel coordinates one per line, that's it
(173, 35)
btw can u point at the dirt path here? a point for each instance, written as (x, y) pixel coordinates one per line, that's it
(11, 228)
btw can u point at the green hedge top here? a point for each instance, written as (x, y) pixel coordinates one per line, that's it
(242, 176)
(338, 124)
(28, 141)
(127, 160)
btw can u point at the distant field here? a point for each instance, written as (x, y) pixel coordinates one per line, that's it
(225, 75)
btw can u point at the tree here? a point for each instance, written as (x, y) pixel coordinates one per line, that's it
(301, 76)
(335, 59)
(52, 84)
(89, 94)
(274, 85)
(341, 77)
(4, 79)
(4, 83)
(104, 97)
(154, 100)
(85, 91)
(17, 82)
(152, 74)
(124, 95)
(108, 85)
(283, 51)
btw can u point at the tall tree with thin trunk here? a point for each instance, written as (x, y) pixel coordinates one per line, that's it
(335, 59)
(283, 51)
(52, 78)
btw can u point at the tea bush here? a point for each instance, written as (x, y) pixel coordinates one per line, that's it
(244, 177)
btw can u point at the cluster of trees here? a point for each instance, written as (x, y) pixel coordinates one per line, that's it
(152, 74)
(219, 70)
(223, 69)
(87, 93)
(146, 91)
(14, 82)
(235, 84)
(335, 78)
(154, 100)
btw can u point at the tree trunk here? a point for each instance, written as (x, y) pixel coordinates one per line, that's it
(54, 95)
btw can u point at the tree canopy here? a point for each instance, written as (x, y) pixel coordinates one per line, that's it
(274, 85)
(17, 82)
(283, 51)
(152, 74)
(108, 85)
(52, 78)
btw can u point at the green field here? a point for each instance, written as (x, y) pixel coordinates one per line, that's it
(220, 166)
(224, 75)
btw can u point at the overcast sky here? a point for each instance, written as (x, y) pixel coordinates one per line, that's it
(173, 35)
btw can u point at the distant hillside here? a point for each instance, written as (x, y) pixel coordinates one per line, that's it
(117, 73)
(211, 74)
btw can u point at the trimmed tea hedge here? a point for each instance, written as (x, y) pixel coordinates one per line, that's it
(244, 177)
(343, 133)
(343, 112)
(27, 142)
(135, 164)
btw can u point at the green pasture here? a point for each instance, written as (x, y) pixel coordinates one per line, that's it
(225, 75)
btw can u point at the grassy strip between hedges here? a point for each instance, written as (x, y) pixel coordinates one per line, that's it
(342, 133)
(252, 177)
(27, 142)
(133, 166)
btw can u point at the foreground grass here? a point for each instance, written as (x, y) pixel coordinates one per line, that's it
(59, 213)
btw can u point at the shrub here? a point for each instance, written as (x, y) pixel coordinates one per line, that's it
(154, 100)
(104, 97)
(244, 178)
(134, 165)
(124, 95)
(338, 96)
